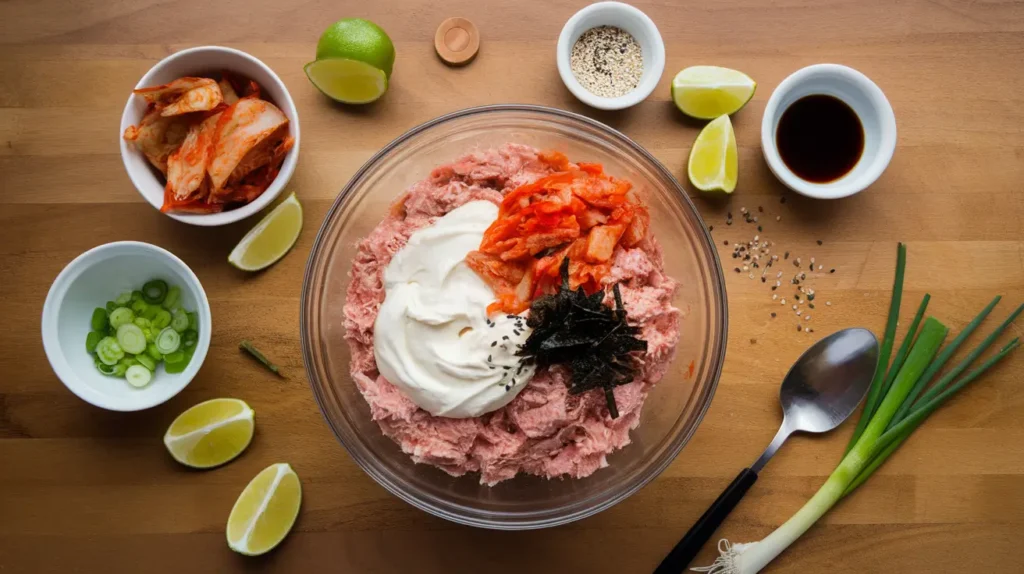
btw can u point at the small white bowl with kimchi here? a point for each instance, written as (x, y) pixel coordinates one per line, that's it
(210, 135)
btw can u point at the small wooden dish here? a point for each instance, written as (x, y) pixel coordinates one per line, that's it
(457, 41)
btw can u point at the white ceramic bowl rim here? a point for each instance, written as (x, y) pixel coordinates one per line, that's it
(144, 179)
(55, 352)
(879, 127)
(633, 21)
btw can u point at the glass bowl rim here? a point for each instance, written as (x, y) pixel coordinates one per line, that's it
(657, 466)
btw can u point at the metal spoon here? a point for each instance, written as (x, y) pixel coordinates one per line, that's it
(820, 391)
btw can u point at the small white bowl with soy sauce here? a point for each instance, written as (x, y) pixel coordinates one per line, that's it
(828, 131)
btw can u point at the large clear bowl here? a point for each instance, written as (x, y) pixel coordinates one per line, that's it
(672, 411)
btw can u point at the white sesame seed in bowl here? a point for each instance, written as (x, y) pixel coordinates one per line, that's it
(610, 55)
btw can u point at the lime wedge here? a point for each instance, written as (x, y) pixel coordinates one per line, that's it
(272, 237)
(706, 92)
(265, 511)
(713, 164)
(210, 433)
(347, 81)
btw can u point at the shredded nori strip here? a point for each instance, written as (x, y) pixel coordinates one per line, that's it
(593, 339)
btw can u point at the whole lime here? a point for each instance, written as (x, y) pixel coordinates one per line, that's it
(360, 40)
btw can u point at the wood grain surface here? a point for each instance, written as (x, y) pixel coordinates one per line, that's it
(85, 490)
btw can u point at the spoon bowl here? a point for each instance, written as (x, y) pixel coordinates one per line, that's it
(828, 381)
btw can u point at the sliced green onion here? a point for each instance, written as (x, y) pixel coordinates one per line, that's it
(138, 376)
(123, 299)
(120, 369)
(104, 368)
(153, 353)
(179, 320)
(142, 322)
(110, 306)
(99, 319)
(168, 341)
(162, 319)
(154, 292)
(121, 316)
(136, 295)
(189, 338)
(875, 395)
(128, 360)
(109, 351)
(91, 340)
(146, 361)
(249, 348)
(174, 357)
(193, 321)
(139, 307)
(152, 312)
(173, 298)
(180, 362)
(131, 338)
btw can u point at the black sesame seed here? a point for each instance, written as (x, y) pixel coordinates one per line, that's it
(728, 215)
(726, 242)
(711, 228)
(759, 228)
(763, 280)
(782, 199)
(831, 270)
(799, 328)
(786, 256)
(504, 337)
(819, 242)
(774, 287)
(737, 269)
(760, 209)
(488, 358)
(494, 343)
(773, 314)
(811, 305)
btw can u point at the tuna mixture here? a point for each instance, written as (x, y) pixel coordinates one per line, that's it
(544, 431)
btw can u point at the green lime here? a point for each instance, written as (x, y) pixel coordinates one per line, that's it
(354, 58)
(360, 40)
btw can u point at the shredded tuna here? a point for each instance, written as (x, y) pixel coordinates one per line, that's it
(544, 431)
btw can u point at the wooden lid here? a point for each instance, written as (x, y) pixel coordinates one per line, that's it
(457, 41)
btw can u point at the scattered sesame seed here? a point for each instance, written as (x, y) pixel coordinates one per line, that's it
(820, 266)
(828, 303)
(726, 242)
(819, 242)
(778, 218)
(807, 317)
(773, 314)
(833, 270)
(799, 328)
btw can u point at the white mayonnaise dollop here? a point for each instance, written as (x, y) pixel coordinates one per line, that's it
(432, 337)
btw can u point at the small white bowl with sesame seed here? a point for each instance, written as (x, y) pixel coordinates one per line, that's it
(633, 70)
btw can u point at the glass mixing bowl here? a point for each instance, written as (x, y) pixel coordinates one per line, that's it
(675, 405)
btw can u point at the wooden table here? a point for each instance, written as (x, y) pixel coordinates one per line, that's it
(86, 490)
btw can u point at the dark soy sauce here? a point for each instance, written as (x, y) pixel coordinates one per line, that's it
(820, 138)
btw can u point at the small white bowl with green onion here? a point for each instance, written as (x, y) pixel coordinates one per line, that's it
(126, 326)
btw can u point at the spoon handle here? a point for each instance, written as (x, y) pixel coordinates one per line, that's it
(680, 556)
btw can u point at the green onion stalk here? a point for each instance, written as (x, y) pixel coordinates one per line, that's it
(898, 410)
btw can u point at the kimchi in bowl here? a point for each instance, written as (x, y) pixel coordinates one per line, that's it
(211, 61)
(676, 404)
